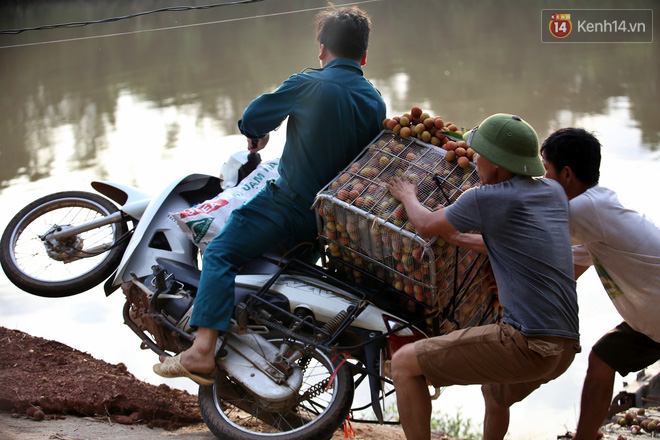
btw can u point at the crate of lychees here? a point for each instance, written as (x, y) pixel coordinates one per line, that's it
(364, 229)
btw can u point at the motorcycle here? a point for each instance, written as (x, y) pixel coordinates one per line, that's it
(302, 338)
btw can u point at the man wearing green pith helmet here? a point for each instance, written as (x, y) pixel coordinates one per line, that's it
(522, 224)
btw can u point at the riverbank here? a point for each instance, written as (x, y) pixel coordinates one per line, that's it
(80, 397)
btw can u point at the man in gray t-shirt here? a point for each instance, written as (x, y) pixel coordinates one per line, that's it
(525, 229)
(522, 225)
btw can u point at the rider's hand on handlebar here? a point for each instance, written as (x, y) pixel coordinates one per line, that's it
(255, 145)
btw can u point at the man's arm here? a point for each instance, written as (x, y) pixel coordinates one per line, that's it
(431, 223)
(581, 259)
(579, 270)
(266, 113)
(473, 242)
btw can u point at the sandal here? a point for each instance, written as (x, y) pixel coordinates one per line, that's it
(171, 367)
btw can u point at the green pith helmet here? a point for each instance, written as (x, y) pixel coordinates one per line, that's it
(508, 142)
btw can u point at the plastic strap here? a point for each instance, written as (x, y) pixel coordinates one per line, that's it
(348, 428)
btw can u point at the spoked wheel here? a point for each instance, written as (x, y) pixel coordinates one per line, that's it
(43, 265)
(324, 401)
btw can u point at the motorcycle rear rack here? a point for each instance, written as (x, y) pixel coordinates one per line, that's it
(326, 339)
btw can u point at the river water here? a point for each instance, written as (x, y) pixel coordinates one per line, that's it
(143, 100)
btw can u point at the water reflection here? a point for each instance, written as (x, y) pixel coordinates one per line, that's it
(148, 105)
(461, 65)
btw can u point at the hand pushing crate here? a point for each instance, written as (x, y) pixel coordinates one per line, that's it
(364, 228)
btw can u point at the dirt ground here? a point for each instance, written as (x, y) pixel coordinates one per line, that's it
(79, 397)
(51, 391)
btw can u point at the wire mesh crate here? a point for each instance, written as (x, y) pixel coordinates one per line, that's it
(365, 229)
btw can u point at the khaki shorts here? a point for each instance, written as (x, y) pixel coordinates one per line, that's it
(496, 355)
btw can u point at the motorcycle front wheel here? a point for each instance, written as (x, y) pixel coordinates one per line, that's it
(235, 414)
(43, 266)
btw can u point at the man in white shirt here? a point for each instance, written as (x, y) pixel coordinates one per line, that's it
(624, 247)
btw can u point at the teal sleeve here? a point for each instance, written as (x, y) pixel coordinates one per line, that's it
(267, 112)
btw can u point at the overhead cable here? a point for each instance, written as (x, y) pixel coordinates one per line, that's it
(137, 14)
(185, 25)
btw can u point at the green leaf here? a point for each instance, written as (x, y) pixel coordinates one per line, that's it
(452, 135)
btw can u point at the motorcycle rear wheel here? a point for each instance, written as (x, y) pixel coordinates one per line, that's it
(317, 416)
(66, 267)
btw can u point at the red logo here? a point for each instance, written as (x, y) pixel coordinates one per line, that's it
(204, 208)
(560, 25)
